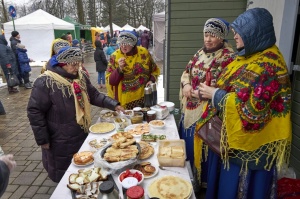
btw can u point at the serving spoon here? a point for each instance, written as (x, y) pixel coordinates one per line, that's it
(162, 168)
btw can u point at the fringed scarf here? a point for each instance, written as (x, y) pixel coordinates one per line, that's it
(77, 88)
(256, 111)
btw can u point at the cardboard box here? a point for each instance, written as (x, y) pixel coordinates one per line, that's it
(168, 151)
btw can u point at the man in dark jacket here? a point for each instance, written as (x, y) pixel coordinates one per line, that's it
(8, 61)
(59, 110)
(101, 63)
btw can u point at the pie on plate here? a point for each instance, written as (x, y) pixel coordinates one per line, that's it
(170, 187)
(103, 127)
(146, 150)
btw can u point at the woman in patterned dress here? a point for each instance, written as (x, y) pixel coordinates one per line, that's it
(130, 69)
(212, 57)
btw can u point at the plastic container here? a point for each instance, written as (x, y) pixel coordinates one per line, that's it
(107, 191)
(165, 154)
(137, 118)
(135, 192)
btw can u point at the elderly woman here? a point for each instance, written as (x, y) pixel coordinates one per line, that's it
(130, 69)
(59, 110)
(254, 101)
(211, 58)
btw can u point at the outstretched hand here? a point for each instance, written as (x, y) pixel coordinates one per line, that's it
(120, 109)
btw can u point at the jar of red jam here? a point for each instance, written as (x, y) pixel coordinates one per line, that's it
(135, 192)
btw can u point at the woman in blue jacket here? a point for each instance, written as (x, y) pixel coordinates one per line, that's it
(24, 64)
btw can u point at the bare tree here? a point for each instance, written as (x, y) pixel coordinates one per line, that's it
(80, 12)
(4, 14)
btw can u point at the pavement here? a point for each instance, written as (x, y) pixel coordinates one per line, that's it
(29, 180)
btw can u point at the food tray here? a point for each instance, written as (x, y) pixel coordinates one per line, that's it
(169, 161)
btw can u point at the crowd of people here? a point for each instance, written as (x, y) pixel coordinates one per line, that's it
(249, 90)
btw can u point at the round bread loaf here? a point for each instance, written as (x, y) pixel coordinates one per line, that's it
(83, 157)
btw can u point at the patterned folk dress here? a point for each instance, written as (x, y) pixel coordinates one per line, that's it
(194, 74)
(128, 86)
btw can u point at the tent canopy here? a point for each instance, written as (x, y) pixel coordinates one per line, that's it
(40, 20)
(141, 27)
(159, 25)
(115, 27)
(37, 31)
(128, 27)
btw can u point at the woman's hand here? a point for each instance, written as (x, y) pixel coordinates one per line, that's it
(120, 109)
(9, 161)
(206, 91)
(45, 146)
(121, 63)
(187, 91)
(195, 93)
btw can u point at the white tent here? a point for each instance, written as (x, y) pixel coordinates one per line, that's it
(159, 24)
(128, 27)
(141, 27)
(115, 27)
(37, 31)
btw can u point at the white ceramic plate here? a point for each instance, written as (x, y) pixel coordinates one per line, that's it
(132, 127)
(82, 165)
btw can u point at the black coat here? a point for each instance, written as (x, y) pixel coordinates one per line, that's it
(52, 117)
(7, 56)
(99, 57)
(4, 177)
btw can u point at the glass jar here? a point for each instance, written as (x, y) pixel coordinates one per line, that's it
(107, 191)
(135, 192)
(151, 115)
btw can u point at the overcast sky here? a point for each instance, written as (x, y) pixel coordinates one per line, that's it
(16, 2)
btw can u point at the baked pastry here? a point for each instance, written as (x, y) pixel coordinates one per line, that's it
(168, 187)
(83, 158)
(146, 150)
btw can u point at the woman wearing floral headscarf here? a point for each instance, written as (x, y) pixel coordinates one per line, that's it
(212, 57)
(254, 101)
(59, 110)
(130, 69)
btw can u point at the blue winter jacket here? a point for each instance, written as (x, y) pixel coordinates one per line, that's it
(23, 60)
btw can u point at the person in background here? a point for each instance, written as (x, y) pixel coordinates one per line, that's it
(101, 63)
(59, 110)
(150, 34)
(145, 39)
(14, 40)
(7, 165)
(108, 38)
(64, 37)
(57, 44)
(213, 57)
(253, 98)
(69, 37)
(130, 69)
(24, 64)
(8, 62)
(75, 43)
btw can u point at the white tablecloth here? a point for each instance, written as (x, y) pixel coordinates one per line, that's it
(170, 130)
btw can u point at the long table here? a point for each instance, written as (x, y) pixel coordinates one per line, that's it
(170, 130)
